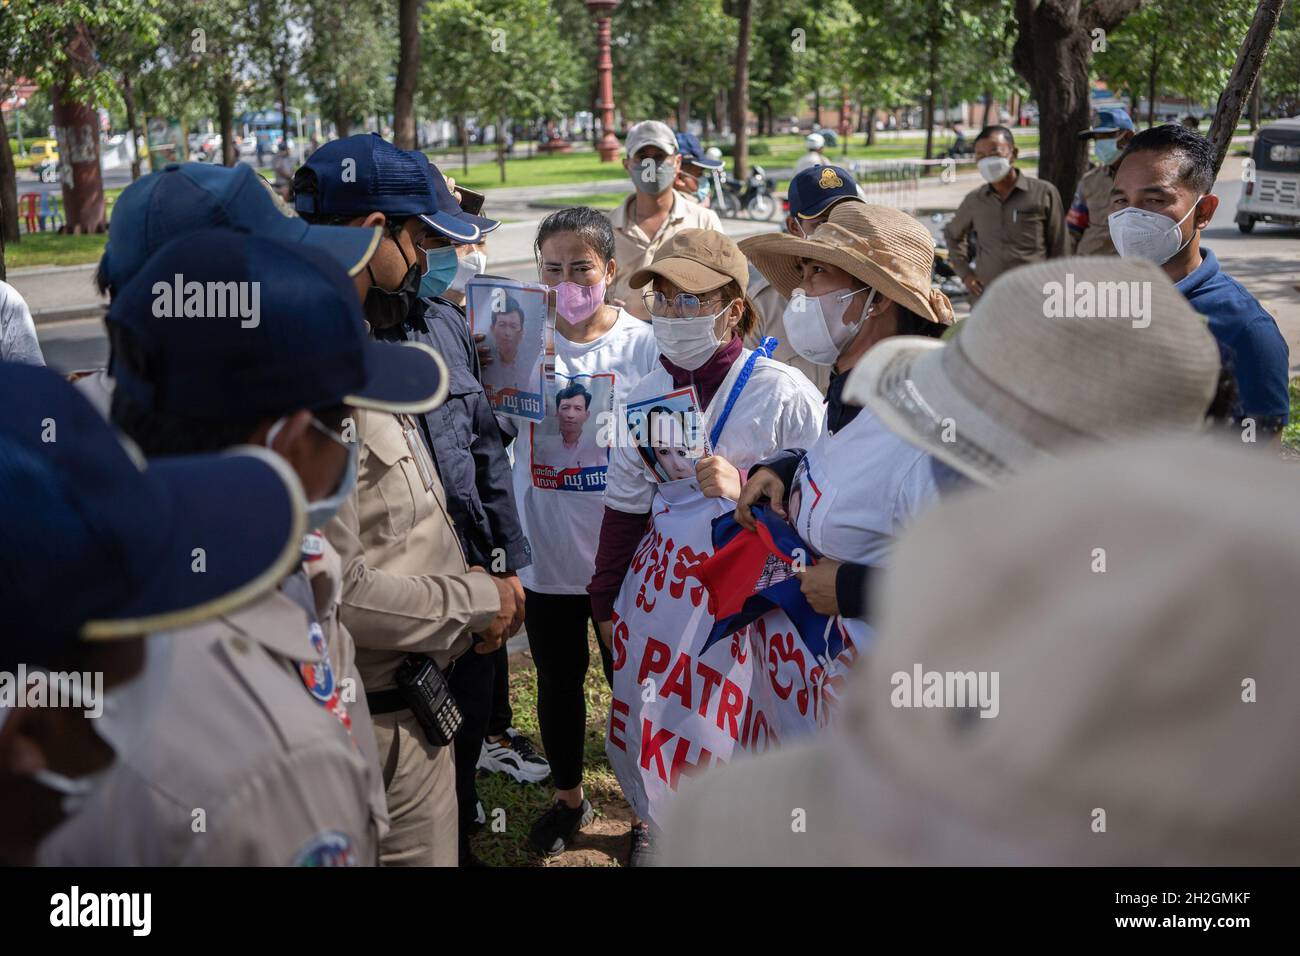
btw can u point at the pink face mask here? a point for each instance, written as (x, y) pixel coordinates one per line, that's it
(574, 302)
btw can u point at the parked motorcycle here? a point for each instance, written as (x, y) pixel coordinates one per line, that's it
(755, 198)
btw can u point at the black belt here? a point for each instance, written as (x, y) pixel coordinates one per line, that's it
(386, 701)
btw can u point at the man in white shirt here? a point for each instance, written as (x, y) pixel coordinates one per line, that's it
(814, 157)
(509, 369)
(571, 448)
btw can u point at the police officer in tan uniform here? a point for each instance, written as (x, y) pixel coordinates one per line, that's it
(654, 213)
(121, 567)
(1087, 222)
(408, 593)
(1015, 218)
(255, 758)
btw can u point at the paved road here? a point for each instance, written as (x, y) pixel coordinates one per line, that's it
(1267, 262)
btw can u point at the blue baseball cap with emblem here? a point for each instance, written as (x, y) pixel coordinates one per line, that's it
(183, 197)
(688, 144)
(361, 174)
(221, 325)
(1110, 119)
(817, 188)
(97, 544)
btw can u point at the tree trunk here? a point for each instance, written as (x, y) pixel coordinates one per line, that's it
(342, 123)
(501, 146)
(1151, 81)
(1245, 73)
(932, 69)
(226, 120)
(8, 193)
(408, 68)
(817, 107)
(1052, 52)
(740, 100)
(1255, 98)
(128, 99)
(463, 122)
(988, 108)
(871, 126)
(77, 126)
(282, 87)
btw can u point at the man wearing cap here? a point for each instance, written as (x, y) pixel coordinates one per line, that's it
(695, 176)
(408, 589)
(1015, 218)
(812, 195)
(204, 731)
(1130, 732)
(654, 213)
(183, 197)
(1088, 231)
(471, 461)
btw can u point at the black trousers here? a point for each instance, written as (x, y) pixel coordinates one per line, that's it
(480, 684)
(557, 634)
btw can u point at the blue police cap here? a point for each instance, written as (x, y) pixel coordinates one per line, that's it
(1110, 119)
(222, 325)
(94, 543)
(688, 144)
(358, 175)
(183, 197)
(817, 188)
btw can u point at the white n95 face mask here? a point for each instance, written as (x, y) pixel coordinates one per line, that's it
(993, 168)
(687, 343)
(1140, 234)
(128, 709)
(469, 266)
(814, 325)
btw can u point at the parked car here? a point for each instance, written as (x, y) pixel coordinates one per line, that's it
(1272, 192)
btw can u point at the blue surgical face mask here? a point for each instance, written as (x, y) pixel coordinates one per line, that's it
(439, 272)
(1107, 151)
(323, 510)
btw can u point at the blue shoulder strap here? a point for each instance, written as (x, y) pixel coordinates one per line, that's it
(765, 349)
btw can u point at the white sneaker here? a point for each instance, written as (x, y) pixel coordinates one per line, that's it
(514, 755)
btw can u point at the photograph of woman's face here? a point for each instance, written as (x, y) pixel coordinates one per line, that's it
(668, 439)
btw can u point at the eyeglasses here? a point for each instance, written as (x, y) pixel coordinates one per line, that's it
(682, 306)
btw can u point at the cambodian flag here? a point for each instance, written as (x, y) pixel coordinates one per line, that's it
(752, 572)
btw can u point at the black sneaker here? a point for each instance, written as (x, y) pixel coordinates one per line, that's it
(643, 851)
(556, 828)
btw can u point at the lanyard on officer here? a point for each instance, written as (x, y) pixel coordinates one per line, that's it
(765, 349)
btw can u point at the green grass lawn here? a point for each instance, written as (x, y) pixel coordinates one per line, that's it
(1291, 434)
(524, 803)
(595, 200)
(52, 249)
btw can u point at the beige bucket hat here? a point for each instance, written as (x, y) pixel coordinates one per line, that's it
(1143, 713)
(1027, 375)
(883, 247)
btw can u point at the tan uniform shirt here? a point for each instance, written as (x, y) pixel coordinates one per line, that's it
(771, 311)
(1093, 194)
(633, 249)
(406, 586)
(1028, 226)
(240, 766)
(325, 575)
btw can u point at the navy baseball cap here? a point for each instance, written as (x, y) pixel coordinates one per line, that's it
(361, 174)
(183, 197)
(1110, 119)
(447, 204)
(692, 152)
(98, 544)
(221, 325)
(817, 188)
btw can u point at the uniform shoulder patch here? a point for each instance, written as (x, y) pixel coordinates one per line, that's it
(327, 848)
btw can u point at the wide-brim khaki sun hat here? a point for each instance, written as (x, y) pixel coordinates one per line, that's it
(1130, 605)
(1027, 375)
(881, 246)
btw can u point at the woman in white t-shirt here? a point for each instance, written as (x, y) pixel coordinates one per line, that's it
(560, 469)
(679, 705)
(862, 276)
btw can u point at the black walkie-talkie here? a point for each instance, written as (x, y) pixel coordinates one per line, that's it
(425, 689)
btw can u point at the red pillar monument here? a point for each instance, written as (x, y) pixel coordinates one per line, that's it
(608, 145)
